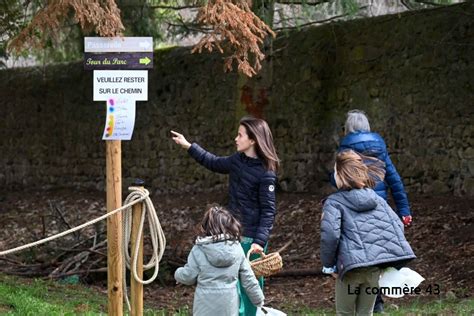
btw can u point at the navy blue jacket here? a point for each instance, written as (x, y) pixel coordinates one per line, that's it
(251, 190)
(373, 145)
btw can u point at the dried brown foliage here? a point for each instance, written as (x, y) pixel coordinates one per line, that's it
(103, 16)
(234, 24)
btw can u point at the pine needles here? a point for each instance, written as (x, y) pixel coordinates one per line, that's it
(103, 16)
(234, 24)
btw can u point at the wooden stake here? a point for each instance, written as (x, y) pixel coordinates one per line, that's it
(114, 228)
(136, 288)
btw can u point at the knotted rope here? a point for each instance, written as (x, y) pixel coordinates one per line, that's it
(158, 239)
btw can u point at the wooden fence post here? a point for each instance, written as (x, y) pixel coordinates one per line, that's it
(136, 288)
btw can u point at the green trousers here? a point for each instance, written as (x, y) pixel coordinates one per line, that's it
(354, 293)
(246, 307)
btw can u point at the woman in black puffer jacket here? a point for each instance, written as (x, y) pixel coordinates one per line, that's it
(252, 183)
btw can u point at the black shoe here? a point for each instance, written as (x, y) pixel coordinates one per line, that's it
(378, 307)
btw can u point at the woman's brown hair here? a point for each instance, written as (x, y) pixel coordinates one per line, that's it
(356, 171)
(258, 131)
(219, 221)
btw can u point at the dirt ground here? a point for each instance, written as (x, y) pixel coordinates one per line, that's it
(441, 236)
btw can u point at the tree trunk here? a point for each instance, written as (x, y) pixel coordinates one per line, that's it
(254, 93)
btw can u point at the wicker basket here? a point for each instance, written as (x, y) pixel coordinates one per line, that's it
(267, 265)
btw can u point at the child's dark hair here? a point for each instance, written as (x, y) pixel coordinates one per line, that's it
(217, 221)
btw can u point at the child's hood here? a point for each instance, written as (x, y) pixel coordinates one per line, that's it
(359, 200)
(221, 253)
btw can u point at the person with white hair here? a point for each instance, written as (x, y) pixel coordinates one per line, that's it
(359, 138)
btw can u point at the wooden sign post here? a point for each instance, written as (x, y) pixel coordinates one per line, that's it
(115, 280)
(120, 89)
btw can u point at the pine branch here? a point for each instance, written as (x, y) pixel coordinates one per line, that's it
(289, 2)
(158, 6)
(174, 7)
(191, 27)
(405, 4)
(103, 16)
(429, 3)
(234, 26)
(316, 22)
(311, 23)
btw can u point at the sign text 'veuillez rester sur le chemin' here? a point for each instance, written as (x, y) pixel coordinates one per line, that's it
(132, 84)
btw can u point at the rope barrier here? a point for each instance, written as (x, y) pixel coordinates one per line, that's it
(67, 232)
(158, 239)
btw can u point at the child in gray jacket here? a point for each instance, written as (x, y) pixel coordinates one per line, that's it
(215, 264)
(360, 234)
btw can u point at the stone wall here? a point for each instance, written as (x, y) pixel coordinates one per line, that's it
(412, 73)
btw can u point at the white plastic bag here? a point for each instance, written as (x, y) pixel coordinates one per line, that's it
(394, 280)
(267, 311)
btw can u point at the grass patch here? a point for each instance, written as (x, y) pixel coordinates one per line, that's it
(38, 297)
(24, 297)
(295, 309)
(438, 307)
(182, 311)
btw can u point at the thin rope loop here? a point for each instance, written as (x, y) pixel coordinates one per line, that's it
(157, 235)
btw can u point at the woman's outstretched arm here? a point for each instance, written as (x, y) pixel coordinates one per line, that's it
(205, 158)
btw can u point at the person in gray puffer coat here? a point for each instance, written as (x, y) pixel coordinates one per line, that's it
(360, 234)
(215, 264)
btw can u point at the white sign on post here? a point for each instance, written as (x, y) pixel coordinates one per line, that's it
(118, 44)
(120, 88)
(130, 84)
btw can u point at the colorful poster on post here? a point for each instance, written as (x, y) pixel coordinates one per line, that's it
(120, 119)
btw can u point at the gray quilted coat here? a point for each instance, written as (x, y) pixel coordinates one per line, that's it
(359, 229)
(215, 268)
